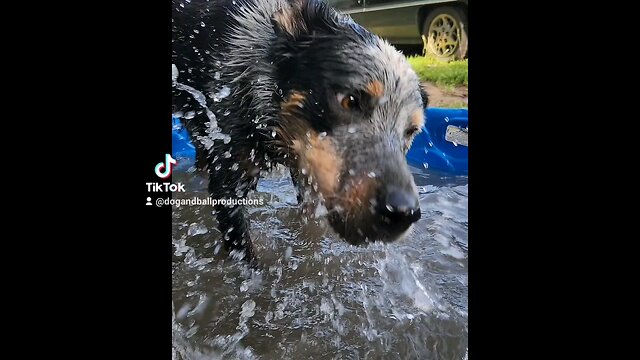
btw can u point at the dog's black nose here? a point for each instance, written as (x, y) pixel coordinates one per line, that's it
(401, 207)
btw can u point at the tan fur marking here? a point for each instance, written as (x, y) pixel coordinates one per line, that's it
(358, 194)
(417, 119)
(286, 20)
(290, 18)
(295, 100)
(375, 89)
(319, 157)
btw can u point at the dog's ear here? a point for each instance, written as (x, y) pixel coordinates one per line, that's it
(424, 96)
(303, 17)
(289, 21)
(296, 25)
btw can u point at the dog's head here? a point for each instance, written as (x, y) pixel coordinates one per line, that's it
(350, 106)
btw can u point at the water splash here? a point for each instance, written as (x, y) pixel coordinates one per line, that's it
(319, 295)
(221, 94)
(197, 229)
(214, 132)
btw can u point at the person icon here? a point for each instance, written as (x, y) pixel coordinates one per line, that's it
(148, 201)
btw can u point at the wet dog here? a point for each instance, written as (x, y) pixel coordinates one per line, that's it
(264, 82)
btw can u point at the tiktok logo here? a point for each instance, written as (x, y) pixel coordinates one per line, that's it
(163, 169)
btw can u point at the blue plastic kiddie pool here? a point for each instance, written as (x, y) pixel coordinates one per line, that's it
(431, 149)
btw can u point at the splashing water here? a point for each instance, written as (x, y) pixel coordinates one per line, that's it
(221, 94)
(213, 131)
(317, 296)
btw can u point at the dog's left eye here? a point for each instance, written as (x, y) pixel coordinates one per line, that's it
(348, 101)
(411, 131)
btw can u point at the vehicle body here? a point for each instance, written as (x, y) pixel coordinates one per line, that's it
(441, 25)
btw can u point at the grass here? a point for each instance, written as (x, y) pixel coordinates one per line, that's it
(456, 105)
(442, 74)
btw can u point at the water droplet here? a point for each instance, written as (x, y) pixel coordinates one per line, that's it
(192, 331)
(196, 31)
(273, 133)
(371, 174)
(247, 308)
(197, 229)
(226, 154)
(202, 23)
(174, 73)
(426, 165)
(216, 75)
(218, 167)
(351, 129)
(446, 119)
(322, 134)
(223, 93)
(321, 211)
(351, 172)
(235, 167)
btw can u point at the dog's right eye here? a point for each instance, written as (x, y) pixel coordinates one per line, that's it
(348, 101)
(411, 131)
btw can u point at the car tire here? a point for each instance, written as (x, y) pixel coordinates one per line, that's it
(444, 33)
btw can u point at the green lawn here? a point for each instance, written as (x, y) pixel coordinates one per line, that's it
(455, 73)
